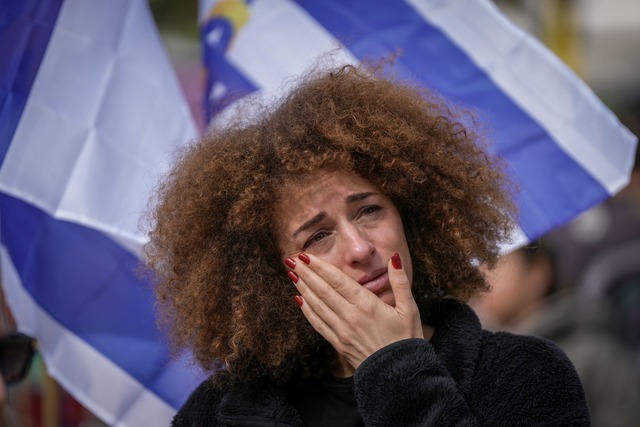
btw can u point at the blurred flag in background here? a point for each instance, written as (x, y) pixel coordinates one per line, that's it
(566, 150)
(90, 112)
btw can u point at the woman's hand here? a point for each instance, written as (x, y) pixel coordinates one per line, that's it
(353, 319)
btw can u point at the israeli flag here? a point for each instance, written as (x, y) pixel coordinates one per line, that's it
(566, 151)
(91, 112)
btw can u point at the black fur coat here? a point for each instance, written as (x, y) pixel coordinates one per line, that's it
(463, 376)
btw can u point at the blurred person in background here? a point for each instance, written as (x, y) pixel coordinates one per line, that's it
(527, 297)
(600, 250)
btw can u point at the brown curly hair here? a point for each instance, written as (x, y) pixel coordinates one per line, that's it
(222, 289)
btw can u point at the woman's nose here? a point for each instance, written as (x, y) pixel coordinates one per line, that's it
(358, 247)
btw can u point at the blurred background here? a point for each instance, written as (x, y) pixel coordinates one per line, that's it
(579, 286)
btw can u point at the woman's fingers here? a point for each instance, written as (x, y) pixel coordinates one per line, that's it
(323, 319)
(319, 323)
(337, 290)
(400, 283)
(318, 272)
(314, 301)
(406, 306)
(354, 320)
(327, 292)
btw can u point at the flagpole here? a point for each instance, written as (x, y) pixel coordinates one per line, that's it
(561, 33)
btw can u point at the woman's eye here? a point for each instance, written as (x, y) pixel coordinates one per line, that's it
(315, 239)
(368, 210)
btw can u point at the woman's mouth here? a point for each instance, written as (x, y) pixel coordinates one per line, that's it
(377, 282)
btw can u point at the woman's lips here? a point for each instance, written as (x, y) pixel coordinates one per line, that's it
(377, 282)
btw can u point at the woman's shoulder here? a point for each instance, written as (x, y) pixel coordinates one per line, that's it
(506, 346)
(531, 373)
(254, 402)
(200, 407)
(526, 355)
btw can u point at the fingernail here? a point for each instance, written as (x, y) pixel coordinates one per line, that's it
(395, 261)
(290, 263)
(293, 276)
(304, 258)
(298, 299)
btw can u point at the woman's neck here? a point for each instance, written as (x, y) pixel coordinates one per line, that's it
(343, 368)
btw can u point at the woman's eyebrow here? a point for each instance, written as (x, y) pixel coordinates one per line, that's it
(352, 198)
(310, 223)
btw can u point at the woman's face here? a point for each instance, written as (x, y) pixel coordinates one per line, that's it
(345, 220)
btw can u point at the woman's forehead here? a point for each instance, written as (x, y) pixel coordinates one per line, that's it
(302, 199)
(323, 183)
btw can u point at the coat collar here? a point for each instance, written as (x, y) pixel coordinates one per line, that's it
(456, 341)
(257, 403)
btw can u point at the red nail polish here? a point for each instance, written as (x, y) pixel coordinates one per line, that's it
(298, 299)
(293, 276)
(395, 261)
(290, 263)
(304, 258)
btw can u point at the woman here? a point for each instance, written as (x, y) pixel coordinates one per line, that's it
(371, 206)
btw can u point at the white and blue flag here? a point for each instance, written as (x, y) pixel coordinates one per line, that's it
(91, 112)
(566, 150)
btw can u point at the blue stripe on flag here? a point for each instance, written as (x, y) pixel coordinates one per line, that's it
(25, 29)
(225, 84)
(376, 28)
(112, 310)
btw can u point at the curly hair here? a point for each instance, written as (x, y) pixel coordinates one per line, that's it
(221, 287)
